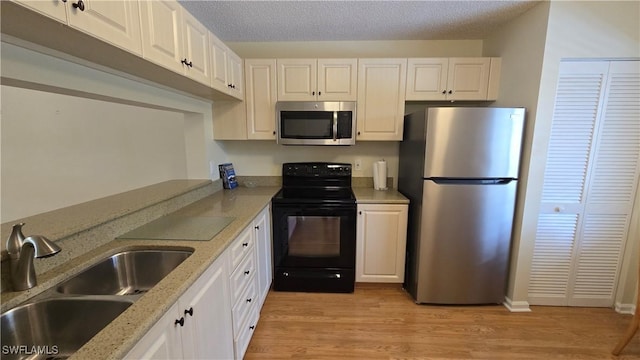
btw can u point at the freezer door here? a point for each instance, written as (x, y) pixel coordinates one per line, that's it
(464, 242)
(473, 142)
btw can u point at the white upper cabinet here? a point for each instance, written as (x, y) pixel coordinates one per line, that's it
(196, 49)
(317, 79)
(297, 79)
(381, 95)
(115, 22)
(337, 79)
(453, 78)
(173, 38)
(226, 69)
(261, 98)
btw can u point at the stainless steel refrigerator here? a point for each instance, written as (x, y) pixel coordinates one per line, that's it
(459, 169)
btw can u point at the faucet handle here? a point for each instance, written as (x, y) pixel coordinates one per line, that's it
(43, 247)
(15, 240)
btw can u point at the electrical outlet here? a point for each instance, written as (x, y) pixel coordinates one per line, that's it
(358, 165)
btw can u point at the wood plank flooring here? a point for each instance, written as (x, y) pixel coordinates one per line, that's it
(380, 321)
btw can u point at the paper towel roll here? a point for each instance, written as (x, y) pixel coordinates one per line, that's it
(380, 175)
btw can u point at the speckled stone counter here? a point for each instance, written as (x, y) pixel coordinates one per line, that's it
(115, 340)
(368, 195)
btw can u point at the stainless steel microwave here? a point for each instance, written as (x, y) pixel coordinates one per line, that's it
(316, 123)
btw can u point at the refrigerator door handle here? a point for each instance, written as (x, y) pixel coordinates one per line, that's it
(458, 181)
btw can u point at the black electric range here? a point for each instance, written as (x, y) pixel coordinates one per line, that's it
(314, 228)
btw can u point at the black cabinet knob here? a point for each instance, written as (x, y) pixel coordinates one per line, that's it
(257, 227)
(64, 1)
(319, 93)
(252, 327)
(274, 132)
(189, 312)
(313, 93)
(245, 244)
(450, 92)
(444, 92)
(248, 300)
(247, 272)
(79, 5)
(181, 322)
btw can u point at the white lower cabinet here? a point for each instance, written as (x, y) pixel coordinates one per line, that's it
(262, 227)
(216, 317)
(197, 325)
(381, 239)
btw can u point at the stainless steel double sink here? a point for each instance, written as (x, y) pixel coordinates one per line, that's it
(56, 323)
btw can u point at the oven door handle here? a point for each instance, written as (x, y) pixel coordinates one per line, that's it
(335, 126)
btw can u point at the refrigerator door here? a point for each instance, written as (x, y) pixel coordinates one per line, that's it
(473, 142)
(464, 242)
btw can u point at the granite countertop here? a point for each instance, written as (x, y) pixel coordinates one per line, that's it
(368, 195)
(243, 204)
(117, 338)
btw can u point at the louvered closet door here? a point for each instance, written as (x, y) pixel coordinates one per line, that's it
(590, 181)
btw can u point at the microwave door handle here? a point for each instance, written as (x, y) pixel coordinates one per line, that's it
(335, 126)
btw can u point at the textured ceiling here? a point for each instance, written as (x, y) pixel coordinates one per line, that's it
(353, 20)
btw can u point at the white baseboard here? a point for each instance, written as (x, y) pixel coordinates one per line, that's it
(516, 306)
(625, 308)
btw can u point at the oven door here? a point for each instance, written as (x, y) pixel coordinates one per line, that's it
(314, 235)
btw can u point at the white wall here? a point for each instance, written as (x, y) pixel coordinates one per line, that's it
(72, 133)
(362, 49)
(521, 45)
(265, 158)
(576, 30)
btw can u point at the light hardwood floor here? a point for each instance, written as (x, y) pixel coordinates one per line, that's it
(380, 321)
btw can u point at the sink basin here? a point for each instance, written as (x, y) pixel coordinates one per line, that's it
(55, 328)
(125, 273)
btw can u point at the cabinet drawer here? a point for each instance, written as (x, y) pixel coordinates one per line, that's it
(246, 332)
(242, 308)
(241, 246)
(242, 276)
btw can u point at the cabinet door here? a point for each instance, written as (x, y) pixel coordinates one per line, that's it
(297, 79)
(115, 22)
(234, 75)
(381, 90)
(262, 226)
(337, 79)
(163, 341)
(196, 49)
(162, 33)
(219, 65)
(206, 306)
(260, 76)
(427, 79)
(55, 9)
(468, 78)
(381, 243)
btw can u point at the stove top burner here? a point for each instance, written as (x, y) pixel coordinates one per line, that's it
(307, 195)
(315, 182)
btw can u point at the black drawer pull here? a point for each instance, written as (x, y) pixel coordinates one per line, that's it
(181, 322)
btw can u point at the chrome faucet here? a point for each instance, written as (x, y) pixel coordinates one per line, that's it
(22, 251)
